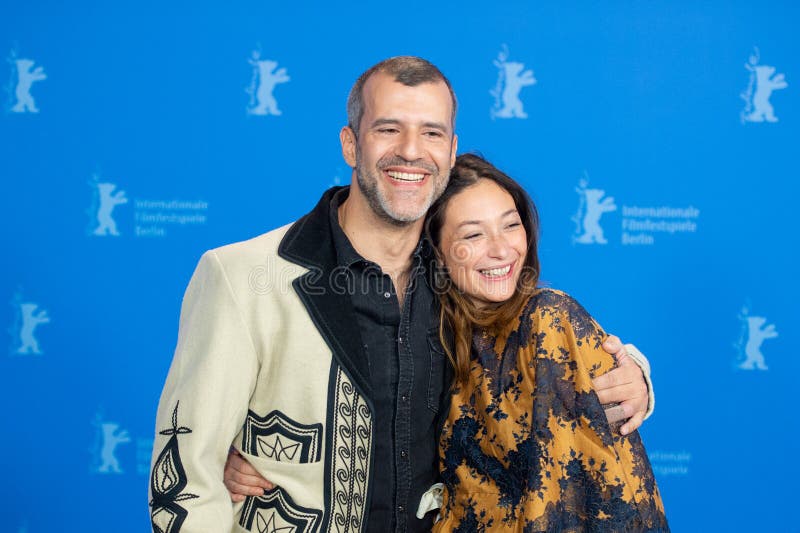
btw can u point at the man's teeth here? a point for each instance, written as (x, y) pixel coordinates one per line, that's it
(496, 272)
(406, 176)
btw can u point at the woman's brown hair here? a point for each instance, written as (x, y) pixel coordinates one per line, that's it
(459, 316)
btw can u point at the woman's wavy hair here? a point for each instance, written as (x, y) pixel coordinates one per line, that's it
(459, 316)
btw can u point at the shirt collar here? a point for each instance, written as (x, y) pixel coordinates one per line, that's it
(346, 255)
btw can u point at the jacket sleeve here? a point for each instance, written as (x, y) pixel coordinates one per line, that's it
(202, 407)
(640, 359)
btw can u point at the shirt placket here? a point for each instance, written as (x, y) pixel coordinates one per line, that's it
(405, 384)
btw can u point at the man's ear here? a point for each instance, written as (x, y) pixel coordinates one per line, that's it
(348, 139)
(454, 151)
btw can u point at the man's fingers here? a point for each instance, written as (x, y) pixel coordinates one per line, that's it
(620, 384)
(632, 424)
(624, 386)
(617, 377)
(618, 413)
(613, 345)
(632, 397)
(615, 414)
(604, 382)
(630, 392)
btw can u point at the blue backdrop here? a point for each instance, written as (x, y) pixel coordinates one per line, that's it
(655, 137)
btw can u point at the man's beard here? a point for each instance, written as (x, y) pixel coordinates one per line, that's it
(380, 205)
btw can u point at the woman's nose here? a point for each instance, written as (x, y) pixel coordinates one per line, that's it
(498, 247)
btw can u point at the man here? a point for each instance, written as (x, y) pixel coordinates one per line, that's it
(313, 349)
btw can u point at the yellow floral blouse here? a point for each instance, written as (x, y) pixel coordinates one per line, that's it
(526, 445)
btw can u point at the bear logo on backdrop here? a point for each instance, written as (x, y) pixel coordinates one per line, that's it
(754, 332)
(108, 436)
(27, 318)
(640, 225)
(761, 83)
(592, 205)
(265, 78)
(105, 198)
(23, 76)
(511, 78)
(150, 217)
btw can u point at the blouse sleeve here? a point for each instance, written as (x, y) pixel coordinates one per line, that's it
(583, 338)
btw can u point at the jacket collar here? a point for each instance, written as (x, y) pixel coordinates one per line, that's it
(309, 243)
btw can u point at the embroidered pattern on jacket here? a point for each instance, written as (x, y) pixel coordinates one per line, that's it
(276, 512)
(351, 445)
(278, 437)
(167, 481)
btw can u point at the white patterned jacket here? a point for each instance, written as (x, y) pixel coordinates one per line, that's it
(268, 360)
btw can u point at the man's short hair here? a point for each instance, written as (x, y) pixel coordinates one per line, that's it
(408, 70)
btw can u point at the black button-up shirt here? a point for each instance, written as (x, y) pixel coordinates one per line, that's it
(406, 367)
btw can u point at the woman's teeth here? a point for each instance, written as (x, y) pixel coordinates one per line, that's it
(496, 272)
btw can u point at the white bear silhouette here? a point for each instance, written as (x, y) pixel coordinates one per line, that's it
(594, 209)
(765, 84)
(515, 80)
(265, 78)
(25, 79)
(111, 439)
(108, 201)
(756, 335)
(30, 321)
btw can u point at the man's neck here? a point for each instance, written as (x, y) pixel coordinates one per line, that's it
(389, 246)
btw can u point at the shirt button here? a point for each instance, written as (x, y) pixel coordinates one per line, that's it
(387, 295)
(404, 397)
(400, 340)
(403, 454)
(400, 508)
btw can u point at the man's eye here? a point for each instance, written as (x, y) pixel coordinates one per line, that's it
(472, 236)
(435, 134)
(387, 130)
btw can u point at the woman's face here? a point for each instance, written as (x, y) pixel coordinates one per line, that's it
(483, 242)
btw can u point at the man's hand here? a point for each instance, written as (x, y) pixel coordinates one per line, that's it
(241, 479)
(624, 385)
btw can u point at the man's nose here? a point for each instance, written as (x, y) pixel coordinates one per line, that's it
(409, 146)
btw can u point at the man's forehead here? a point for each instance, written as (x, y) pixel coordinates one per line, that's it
(382, 89)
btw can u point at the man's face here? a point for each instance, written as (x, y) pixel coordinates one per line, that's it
(405, 147)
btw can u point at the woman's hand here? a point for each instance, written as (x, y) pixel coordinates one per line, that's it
(241, 479)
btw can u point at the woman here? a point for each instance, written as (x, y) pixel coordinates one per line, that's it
(526, 445)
